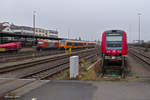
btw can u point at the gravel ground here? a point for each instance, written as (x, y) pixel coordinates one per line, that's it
(27, 49)
(24, 71)
(91, 90)
(138, 68)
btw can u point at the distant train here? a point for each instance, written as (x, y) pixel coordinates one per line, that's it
(114, 45)
(63, 44)
(47, 44)
(10, 47)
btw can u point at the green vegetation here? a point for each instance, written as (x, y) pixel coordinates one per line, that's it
(63, 76)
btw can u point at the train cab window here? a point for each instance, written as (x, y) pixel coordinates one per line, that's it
(40, 42)
(62, 43)
(114, 42)
(114, 45)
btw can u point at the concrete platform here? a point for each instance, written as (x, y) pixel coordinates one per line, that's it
(91, 90)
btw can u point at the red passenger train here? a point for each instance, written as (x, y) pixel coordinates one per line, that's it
(114, 49)
(114, 45)
(10, 47)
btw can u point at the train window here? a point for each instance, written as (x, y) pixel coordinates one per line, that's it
(75, 44)
(114, 45)
(90, 44)
(80, 44)
(69, 44)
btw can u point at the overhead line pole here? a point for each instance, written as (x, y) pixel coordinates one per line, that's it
(34, 25)
(139, 14)
(68, 33)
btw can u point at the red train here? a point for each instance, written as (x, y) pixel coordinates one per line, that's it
(10, 47)
(114, 45)
(114, 49)
(47, 44)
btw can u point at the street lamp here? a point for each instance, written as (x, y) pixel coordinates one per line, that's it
(139, 14)
(68, 33)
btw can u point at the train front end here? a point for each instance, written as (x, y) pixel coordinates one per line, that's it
(114, 45)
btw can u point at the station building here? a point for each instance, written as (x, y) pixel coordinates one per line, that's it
(27, 30)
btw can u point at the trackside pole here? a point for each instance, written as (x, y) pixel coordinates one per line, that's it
(66, 51)
(102, 70)
(74, 66)
(70, 50)
(124, 69)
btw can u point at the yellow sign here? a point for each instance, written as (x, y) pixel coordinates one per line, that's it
(113, 34)
(2, 49)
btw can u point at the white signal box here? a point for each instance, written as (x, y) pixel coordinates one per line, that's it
(74, 66)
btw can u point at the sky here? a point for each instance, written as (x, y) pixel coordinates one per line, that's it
(80, 18)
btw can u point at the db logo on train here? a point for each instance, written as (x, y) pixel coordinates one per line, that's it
(113, 51)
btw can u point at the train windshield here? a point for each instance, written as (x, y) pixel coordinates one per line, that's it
(40, 42)
(114, 42)
(62, 43)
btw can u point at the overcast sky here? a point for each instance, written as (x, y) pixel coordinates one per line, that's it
(84, 18)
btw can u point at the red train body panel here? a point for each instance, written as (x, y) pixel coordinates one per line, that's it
(10, 47)
(114, 44)
(47, 44)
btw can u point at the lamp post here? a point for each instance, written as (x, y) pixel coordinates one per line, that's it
(139, 14)
(68, 33)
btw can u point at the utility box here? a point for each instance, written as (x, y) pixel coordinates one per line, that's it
(74, 66)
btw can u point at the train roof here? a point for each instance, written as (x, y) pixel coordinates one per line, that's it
(8, 44)
(74, 41)
(114, 31)
(81, 41)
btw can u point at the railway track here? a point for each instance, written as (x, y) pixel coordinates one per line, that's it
(26, 55)
(140, 55)
(53, 66)
(48, 59)
(113, 70)
(13, 57)
(57, 67)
